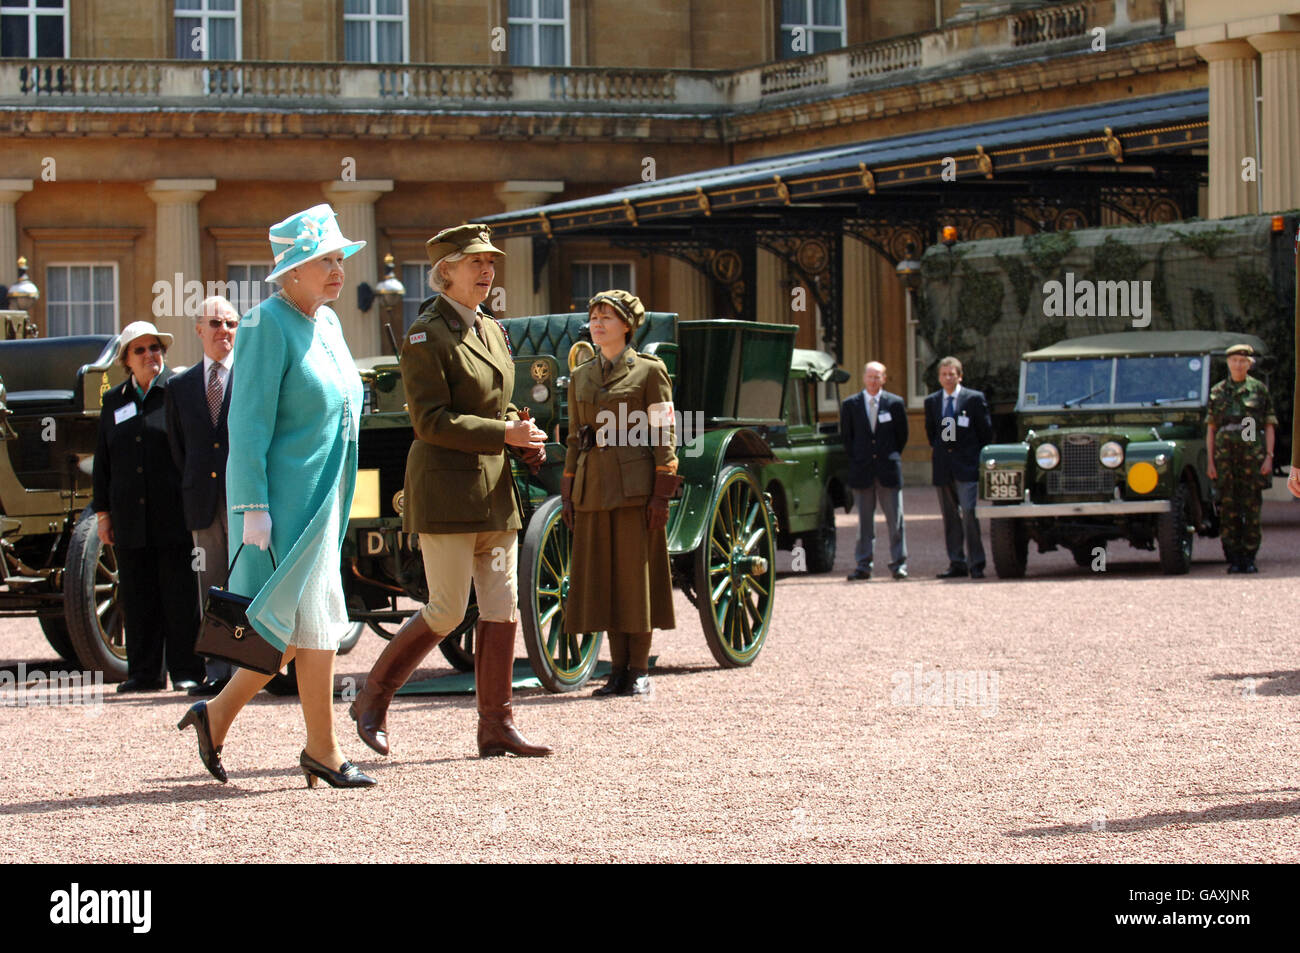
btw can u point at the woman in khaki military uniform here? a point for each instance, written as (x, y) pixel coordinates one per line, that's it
(619, 474)
(459, 376)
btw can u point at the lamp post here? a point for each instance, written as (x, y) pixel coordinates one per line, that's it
(909, 274)
(390, 292)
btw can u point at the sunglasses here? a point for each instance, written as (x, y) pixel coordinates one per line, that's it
(142, 349)
(216, 323)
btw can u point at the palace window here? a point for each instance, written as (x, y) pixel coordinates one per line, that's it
(811, 26)
(589, 277)
(415, 279)
(375, 31)
(32, 28)
(207, 29)
(80, 299)
(539, 33)
(247, 284)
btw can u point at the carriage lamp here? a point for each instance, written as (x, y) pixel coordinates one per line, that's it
(23, 293)
(950, 235)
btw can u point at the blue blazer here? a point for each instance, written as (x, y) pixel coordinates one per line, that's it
(958, 459)
(874, 456)
(198, 447)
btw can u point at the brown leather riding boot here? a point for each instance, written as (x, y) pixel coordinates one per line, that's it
(402, 656)
(494, 661)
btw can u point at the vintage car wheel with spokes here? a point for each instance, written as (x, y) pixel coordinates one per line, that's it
(735, 570)
(90, 602)
(562, 661)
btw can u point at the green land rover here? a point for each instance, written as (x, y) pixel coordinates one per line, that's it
(1112, 447)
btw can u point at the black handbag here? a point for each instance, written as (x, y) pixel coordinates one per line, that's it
(227, 634)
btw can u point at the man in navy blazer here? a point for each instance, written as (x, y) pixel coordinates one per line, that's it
(198, 402)
(874, 424)
(958, 425)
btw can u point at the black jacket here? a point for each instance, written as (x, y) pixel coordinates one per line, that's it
(198, 448)
(959, 458)
(136, 480)
(874, 456)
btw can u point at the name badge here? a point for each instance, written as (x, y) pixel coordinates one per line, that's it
(883, 417)
(124, 413)
(963, 421)
(419, 337)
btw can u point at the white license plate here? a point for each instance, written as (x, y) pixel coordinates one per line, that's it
(1004, 485)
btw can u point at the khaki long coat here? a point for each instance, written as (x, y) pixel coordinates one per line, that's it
(620, 579)
(458, 391)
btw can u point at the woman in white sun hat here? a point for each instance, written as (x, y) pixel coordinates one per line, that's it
(294, 411)
(137, 502)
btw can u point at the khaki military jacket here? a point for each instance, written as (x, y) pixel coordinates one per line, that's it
(630, 413)
(458, 391)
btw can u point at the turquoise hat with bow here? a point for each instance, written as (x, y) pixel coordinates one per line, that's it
(306, 236)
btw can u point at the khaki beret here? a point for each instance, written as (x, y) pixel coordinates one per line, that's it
(466, 239)
(1245, 349)
(625, 304)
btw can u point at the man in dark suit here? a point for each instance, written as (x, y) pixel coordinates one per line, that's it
(874, 424)
(197, 404)
(958, 425)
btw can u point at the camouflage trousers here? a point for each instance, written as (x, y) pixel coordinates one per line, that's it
(1240, 498)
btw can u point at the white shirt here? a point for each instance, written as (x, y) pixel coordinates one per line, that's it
(867, 396)
(228, 363)
(943, 399)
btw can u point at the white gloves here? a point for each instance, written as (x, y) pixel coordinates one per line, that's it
(257, 528)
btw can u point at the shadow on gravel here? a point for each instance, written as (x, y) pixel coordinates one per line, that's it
(1245, 811)
(193, 792)
(1263, 683)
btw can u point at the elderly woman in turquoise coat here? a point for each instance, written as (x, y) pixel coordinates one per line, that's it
(294, 412)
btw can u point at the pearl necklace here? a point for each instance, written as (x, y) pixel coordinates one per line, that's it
(283, 296)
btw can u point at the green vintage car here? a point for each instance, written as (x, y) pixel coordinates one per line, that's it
(759, 475)
(1112, 448)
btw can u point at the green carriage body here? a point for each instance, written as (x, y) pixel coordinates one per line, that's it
(743, 460)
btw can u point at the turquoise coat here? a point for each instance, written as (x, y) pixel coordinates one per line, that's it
(295, 407)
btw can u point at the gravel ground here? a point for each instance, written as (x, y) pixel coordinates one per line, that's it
(1124, 717)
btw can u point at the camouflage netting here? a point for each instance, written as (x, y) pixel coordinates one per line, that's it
(985, 302)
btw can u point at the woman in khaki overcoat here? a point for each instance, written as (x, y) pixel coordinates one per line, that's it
(619, 474)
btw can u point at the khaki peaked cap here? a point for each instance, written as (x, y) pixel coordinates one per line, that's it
(466, 239)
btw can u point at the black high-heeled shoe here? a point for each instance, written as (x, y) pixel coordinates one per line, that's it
(347, 776)
(208, 752)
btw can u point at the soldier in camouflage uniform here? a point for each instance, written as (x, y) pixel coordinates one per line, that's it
(1240, 412)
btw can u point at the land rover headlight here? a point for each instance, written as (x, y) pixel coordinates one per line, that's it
(1111, 454)
(1047, 456)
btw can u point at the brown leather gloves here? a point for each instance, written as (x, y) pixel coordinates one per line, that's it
(566, 495)
(656, 511)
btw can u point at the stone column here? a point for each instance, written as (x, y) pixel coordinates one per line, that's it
(11, 190)
(176, 259)
(355, 204)
(517, 270)
(771, 298)
(1280, 120)
(1232, 127)
(688, 292)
